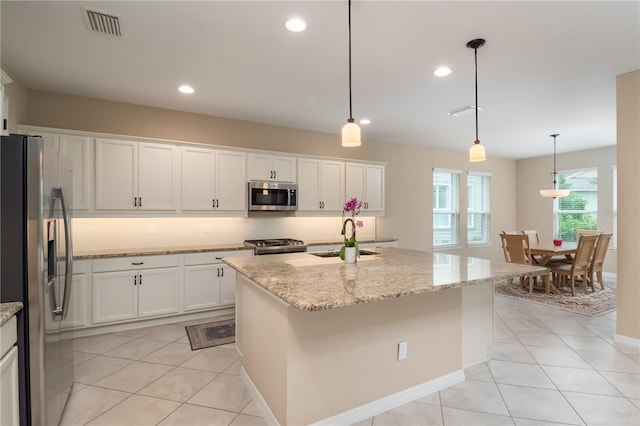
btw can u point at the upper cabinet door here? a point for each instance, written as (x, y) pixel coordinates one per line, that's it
(198, 179)
(366, 183)
(80, 150)
(263, 167)
(158, 176)
(116, 174)
(320, 185)
(231, 181)
(332, 186)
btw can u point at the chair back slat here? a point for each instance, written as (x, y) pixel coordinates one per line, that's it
(584, 251)
(601, 248)
(532, 234)
(517, 248)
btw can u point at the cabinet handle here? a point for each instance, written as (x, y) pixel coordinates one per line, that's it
(213, 203)
(218, 269)
(222, 272)
(139, 201)
(140, 280)
(135, 201)
(135, 280)
(219, 258)
(137, 263)
(217, 203)
(275, 174)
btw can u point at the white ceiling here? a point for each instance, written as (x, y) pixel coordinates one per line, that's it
(547, 66)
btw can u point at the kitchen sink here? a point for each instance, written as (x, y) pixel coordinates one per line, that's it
(336, 254)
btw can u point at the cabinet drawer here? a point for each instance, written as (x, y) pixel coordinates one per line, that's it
(8, 335)
(207, 258)
(139, 262)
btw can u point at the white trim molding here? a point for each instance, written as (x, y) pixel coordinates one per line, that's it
(627, 341)
(4, 78)
(365, 411)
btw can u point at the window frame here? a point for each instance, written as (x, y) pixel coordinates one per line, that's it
(452, 210)
(556, 202)
(473, 210)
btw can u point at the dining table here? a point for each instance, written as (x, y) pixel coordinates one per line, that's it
(544, 252)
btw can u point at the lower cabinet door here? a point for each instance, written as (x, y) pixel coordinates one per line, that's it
(115, 296)
(9, 410)
(157, 291)
(201, 287)
(77, 315)
(227, 285)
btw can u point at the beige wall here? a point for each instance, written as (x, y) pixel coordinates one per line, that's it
(408, 174)
(628, 115)
(534, 174)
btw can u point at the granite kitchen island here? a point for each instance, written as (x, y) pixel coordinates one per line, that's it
(319, 338)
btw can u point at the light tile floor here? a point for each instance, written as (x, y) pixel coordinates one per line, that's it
(548, 367)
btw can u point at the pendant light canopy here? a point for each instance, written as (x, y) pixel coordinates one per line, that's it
(350, 131)
(554, 193)
(476, 152)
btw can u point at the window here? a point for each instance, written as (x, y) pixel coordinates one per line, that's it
(478, 208)
(445, 207)
(579, 210)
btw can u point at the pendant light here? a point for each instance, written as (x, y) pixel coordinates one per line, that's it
(350, 131)
(476, 152)
(554, 193)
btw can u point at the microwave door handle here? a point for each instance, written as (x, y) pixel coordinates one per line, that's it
(59, 193)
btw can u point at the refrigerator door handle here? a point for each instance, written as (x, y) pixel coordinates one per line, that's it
(59, 193)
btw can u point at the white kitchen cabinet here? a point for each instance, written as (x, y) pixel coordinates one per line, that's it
(135, 287)
(9, 382)
(213, 180)
(264, 167)
(320, 185)
(136, 175)
(79, 149)
(77, 316)
(209, 283)
(366, 183)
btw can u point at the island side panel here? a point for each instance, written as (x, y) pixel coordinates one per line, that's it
(477, 323)
(262, 324)
(340, 359)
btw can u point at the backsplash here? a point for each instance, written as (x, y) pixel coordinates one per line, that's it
(109, 233)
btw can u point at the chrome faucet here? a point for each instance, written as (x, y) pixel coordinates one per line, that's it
(353, 227)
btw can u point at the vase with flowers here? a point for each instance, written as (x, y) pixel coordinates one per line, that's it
(349, 251)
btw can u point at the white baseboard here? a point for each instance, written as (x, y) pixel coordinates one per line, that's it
(258, 399)
(367, 410)
(627, 341)
(111, 328)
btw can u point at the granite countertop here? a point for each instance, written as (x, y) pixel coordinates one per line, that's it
(8, 310)
(312, 283)
(153, 251)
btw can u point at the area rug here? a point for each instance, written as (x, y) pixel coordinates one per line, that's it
(211, 334)
(586, 303)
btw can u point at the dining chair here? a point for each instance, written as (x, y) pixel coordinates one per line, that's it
(532, 234)
(580, 232)
(580, 265)
(516, 249)
(597, 260)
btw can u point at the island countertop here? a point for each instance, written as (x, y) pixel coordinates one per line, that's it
(312, 283)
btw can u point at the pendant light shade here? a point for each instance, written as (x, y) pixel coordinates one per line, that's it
(476, 152)
(350, 134)
(554, 193)
(350, 131)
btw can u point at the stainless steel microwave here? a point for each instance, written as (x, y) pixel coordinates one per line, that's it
(273, 196)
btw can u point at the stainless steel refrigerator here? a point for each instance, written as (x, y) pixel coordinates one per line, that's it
(36, 260)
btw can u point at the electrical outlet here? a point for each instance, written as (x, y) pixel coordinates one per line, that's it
(402, 351)
(151, 230)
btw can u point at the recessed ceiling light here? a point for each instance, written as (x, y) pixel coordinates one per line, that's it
(295, 25)
(365, 121)
(442, 71)
(185, 88)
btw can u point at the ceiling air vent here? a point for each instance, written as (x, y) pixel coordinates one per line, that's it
(101, 22)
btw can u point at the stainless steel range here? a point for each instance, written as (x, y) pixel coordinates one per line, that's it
(276, 246)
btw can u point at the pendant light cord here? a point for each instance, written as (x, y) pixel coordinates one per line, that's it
(476, 61)
(350, 105)
(554, 162)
